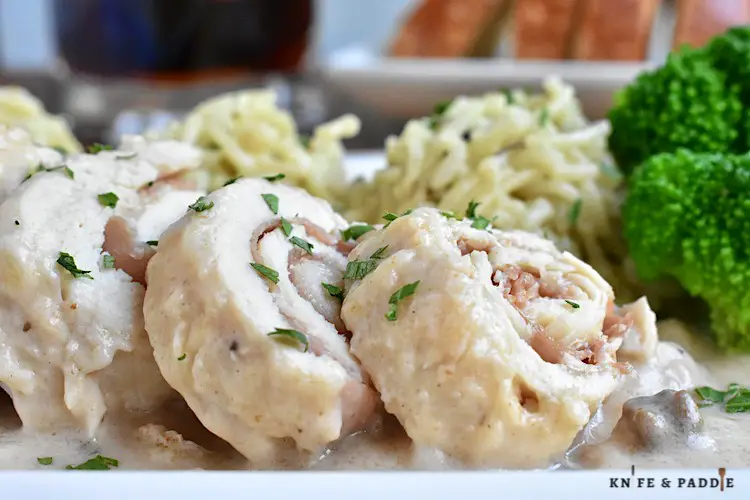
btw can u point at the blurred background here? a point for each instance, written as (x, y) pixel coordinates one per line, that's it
(113, 66)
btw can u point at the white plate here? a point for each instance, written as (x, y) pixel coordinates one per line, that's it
(407, 88)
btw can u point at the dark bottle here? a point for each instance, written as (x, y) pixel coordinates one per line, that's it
(183, 39)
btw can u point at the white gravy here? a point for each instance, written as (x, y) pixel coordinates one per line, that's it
(174, 439)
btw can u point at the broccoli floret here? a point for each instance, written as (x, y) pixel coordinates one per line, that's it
(687, 215)
(685, 103)
(730, 54)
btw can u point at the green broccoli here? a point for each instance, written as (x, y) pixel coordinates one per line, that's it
(687, 215)
(685, 103)
(730, 54)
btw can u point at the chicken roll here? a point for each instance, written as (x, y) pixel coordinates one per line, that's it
(72, 342)
(242, 310)
(492, 346)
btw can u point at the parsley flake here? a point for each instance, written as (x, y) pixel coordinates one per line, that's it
(575, 212)
(274, 178)
(293, 335)
(471, 210)
(574, 305)
(108, 261)
(356, 231)
(267, 272)
(67, 262)
(400, 294)
(97, 463)
(41, 168)
(304, 140)
(736, 398)
(333, 290)
(200, 205)
(272, 201)
(299, 242)
(450, 215)
(182, 357)
(45, 460)
(232, 181)
(390, 217)
(358, 269)
(480, 222)
(508, 95)
(153, 243)
(108, 200)
(286, 227)
(378, 254)
(544, 117)
(98, 148)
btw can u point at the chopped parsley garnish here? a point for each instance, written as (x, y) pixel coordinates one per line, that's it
(182, 357)
(356, 231)
(232, 181)
(575, 212)
(544, 117)
(736, 398)
(334, 291)
(574, 305)
(292, 335)
(272, 201)
(108, 200)
(286, 227)
(45, 460)
(69, 264)
(60, 150)
(97, 463)
(480, 222)
(299, 242)
(508, 95)
(274, 178)
(358, 269)
(305, 141)
(269, 273)
(98, 148)
(441, 107)
(390, 216)
(439, 110)
(200, 205)
(471, 210)
(378, 254)
(127, 156)
(41, 168)
(153, 243)
(108, 261)
(450, 215)
(66, 170)
(400, 294)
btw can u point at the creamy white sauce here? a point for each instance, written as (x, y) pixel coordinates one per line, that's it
(138, 441)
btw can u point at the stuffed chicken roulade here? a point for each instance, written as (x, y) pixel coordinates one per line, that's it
(72, 343)
(243, 312)
(492, 346)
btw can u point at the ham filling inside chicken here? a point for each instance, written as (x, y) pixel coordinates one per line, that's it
(522, 285)
(308, 271)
